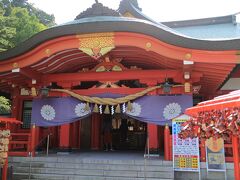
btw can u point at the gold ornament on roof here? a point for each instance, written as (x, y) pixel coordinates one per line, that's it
(48, 52)
(116, 68)
(15, 65)
(101, 69)
(148, 46)
(238, 57)
(128, 14)
(96, 44)
(188, 56)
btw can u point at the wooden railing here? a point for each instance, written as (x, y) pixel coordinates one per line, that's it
(20, 144)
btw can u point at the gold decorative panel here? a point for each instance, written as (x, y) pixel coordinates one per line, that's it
(97, 44)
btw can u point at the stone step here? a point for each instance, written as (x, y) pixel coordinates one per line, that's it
(116, 173)
(94, 166)
(21, 176)
(91, 161)
(90, 167)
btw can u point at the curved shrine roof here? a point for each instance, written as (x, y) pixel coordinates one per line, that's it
(121, 24)
(99, 19)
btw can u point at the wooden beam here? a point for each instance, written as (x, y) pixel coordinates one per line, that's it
(112, 76)
(30, 74)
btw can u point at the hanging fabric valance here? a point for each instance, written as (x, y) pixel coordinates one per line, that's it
(110, 101)
(150, 109)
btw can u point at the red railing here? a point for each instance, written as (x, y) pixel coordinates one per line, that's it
(20, 144)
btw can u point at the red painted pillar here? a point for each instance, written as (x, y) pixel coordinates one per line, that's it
(64, 137)
(37, 134)
(4, 170)
(64, 143)
(161, 137)
(95, 134)
(33, 139)
(15, 102)
(153, 137)
(74, 135)
(170, 148)
(235, 143)
(166, 143)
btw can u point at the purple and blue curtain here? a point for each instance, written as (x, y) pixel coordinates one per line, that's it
(150, 109)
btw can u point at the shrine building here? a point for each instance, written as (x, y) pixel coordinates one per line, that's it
(118, 65)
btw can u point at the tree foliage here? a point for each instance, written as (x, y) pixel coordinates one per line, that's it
(44, 18)
(6, 32)
(4, 105)
(19, 20)
(25, 24)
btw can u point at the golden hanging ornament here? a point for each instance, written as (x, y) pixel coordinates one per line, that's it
(95, 109)
(129, 106)
(107, 110)
(118, 109)
(87, 107)
(33, 91)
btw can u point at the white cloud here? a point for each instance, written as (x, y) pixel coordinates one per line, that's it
(159, 10)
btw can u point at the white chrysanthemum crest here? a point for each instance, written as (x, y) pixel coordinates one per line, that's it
(48, 112)
(172, 110)
(80, 110)
(136, 109)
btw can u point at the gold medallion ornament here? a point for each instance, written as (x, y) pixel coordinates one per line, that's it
(238, 60)
(48, 52)
(148, 46)
(15, 65)
(188, 56)
(238, 57)
(97, 44)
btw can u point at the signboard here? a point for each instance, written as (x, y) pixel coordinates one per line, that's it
(185, 151)
(215, 154)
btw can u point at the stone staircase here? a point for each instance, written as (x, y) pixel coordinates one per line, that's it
(76, 167)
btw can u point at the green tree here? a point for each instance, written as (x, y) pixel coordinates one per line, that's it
(6, 32)
(25, 24)
(44, 18)
(5, 106)
(19, 20)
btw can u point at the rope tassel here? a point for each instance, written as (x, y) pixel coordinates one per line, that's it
(87, 108)
(118, 109)
(107, 110)
(95, 109)
(129, 106)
